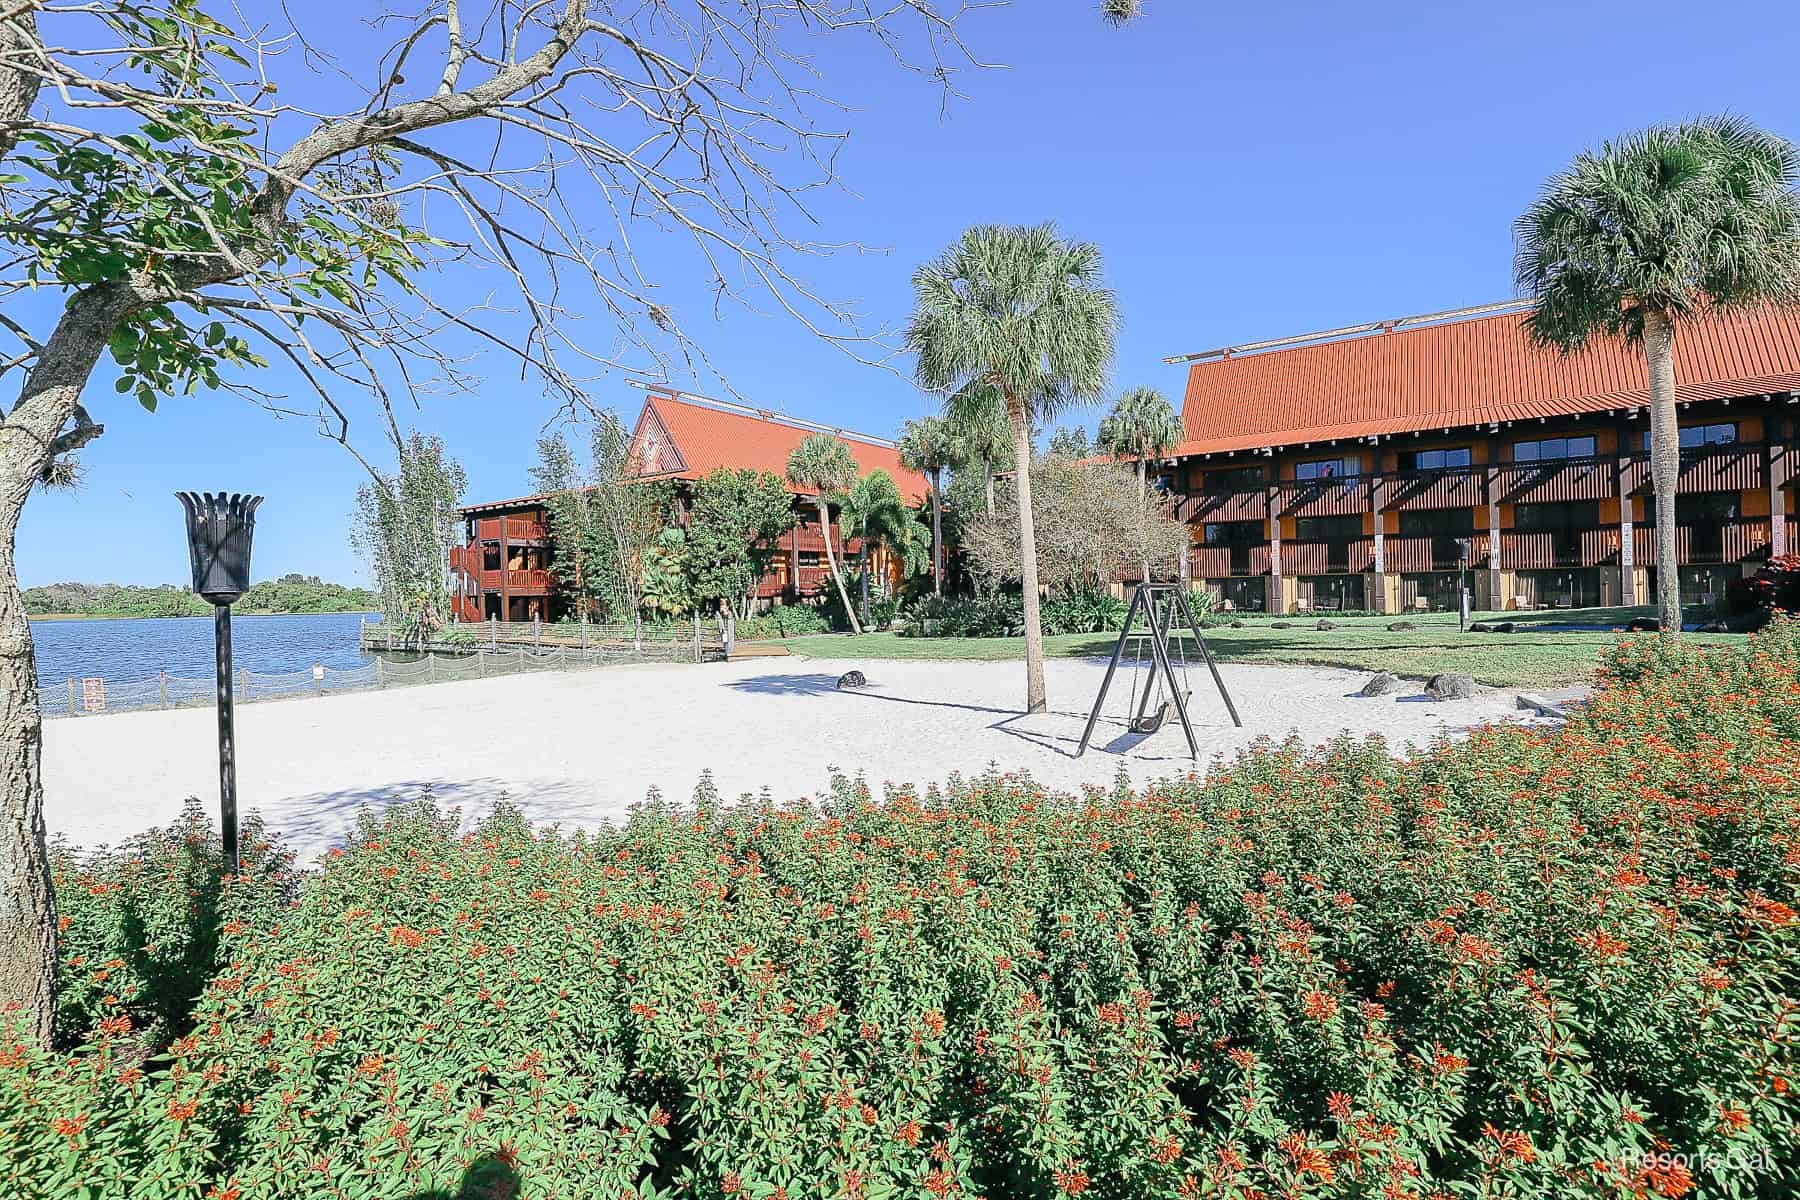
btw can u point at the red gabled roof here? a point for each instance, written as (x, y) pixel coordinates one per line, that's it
(686, 438)
(1463, 373)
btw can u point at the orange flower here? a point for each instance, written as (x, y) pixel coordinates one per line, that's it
(183, 1110)
(1319, 1006)
(1512, 1142)
(1071, 1180)
(1733, 1119)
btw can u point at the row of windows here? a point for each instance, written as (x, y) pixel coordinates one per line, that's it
(1693, 437)
(1696, 509)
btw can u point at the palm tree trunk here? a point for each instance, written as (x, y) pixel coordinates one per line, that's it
(862, 567)
(831, 562)
(1665, 464)
(937, 533)
(1028, 572)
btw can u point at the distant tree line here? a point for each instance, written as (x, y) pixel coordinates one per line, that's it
(292, 593)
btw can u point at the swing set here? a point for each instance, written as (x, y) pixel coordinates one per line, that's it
(1159, 606)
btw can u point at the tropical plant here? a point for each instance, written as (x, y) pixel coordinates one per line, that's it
(735, 524)
(581, 567)
(874, 512)
(668, 589)
(405, 527)
(979, 432)
(1141, 426)
(1071, 442)
(1022, 311)
(1659, 229)
(928, 446)
(823, 465)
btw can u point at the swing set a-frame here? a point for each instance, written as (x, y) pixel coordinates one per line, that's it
(1158, 605)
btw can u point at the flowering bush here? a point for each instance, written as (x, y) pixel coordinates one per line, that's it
(1532, 963)
(1774, 587)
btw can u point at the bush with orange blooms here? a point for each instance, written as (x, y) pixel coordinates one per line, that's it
(1530, 963)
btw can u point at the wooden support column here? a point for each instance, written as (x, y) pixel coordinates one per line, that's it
(1380, 597)
(1627, 536)
(1780, 472)
(505, 573)
(794, 559)
(1272, 582)
(1497, 598)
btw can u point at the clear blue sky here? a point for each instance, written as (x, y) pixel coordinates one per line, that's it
(1248, 171)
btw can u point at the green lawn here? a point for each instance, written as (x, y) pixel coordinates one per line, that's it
(1539, 655)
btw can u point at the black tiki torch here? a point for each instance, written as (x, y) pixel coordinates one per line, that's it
(219, 529)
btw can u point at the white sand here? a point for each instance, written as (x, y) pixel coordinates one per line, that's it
(582, 747)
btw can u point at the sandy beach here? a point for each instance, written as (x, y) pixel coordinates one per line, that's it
(582, 747)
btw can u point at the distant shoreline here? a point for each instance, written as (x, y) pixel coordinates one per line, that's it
(324, 612)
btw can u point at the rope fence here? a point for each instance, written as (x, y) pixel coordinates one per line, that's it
(99, 695)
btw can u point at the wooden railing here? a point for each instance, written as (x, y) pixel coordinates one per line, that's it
(1220, 562)
(1460, 487)
(1224, 506)
(1540, 549)
(1734, 468)
(1724, 542)
(1323, 498)
(516, 529)
(1343, 556)
(1555, 481)
(1439, 553)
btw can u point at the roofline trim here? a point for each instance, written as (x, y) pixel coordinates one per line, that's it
(1348, 331)
(761, 414)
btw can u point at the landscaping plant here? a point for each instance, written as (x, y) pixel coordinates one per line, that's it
(1538, 962)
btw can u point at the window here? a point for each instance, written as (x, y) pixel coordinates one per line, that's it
(490, 556)
(1234, 533)
(1233, 479)
(1553, 448)
(1435, 460)
(1560, 516)
(1327, 529)
(810, 558)
(1699, 508)
(1698, 437)
(1437, 522)
(1327, 468)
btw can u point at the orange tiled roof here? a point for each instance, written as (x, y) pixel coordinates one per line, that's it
(1462, 373)
(685, 439)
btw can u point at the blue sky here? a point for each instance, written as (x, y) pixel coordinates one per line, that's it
(1248, 171)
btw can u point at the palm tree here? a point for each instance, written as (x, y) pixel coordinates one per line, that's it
(822, 464)
(980, 431)
(1024, 312)
(927, 447)
(1658, 229)
(1141, 425)
(873, 510)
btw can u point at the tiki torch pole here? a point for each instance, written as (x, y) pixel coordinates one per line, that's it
(228, 818)
(220, 528)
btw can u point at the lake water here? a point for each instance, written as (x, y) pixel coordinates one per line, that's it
(139, 648)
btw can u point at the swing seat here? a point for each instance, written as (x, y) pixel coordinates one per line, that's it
(1151, 722)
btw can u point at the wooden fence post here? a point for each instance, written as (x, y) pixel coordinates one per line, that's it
(318, 679)
(162, 689)
(493, 634)
(697, 656)
(72, 709)
(537, 632)
(430, 667)
(380, 672)
(244, 684)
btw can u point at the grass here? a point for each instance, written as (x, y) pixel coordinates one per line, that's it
(1543, 653)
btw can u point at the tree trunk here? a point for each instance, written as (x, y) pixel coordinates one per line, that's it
(937, 533)
(27, 903)
(1665, 464)
(862, 566)
(987, 469)
(1028, 572)
(831, 562)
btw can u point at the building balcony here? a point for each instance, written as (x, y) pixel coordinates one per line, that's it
(1562, 480)
(1442, 552)
(1228, 562)
(1542, 550)
(519, 583)
(1224, 506)
(1459, 487)
(1337, 557)
(512, 529)
(1734, 468)
(1322, 498)
(1742, 540)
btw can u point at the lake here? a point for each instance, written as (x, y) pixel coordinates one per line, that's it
(136, 648)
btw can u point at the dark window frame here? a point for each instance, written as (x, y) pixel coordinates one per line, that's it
(1415, 460)
(1351, 469)
(1541, 447)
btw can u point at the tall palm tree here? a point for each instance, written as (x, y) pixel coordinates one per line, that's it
(1024, 312)
(873, 510)
(823, 465)
(980, 431)
(1653, 231)
(927, 447)
(1141, 425)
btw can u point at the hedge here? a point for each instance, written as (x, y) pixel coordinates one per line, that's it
(1529, 963)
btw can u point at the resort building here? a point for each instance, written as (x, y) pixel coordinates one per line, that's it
(1360, 468)
(502, 572)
